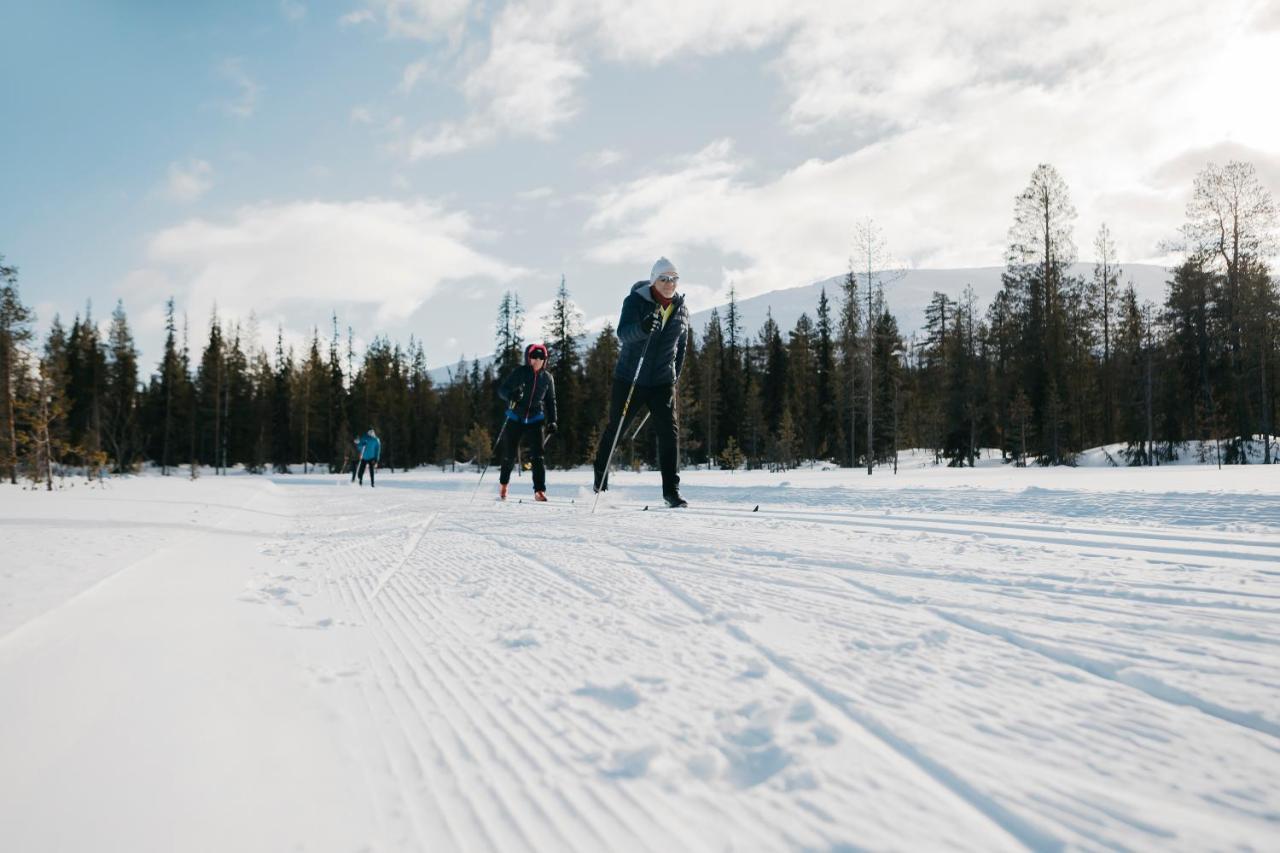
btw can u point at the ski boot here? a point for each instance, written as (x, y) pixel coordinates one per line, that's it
(674, 500)
(540, 496)
(502, 491)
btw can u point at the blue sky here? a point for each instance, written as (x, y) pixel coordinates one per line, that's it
(404, 162)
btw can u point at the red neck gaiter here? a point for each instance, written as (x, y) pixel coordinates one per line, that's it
(658, 297)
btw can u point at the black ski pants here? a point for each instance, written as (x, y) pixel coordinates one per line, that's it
(372, 464)
(516, 431)
(661, 403)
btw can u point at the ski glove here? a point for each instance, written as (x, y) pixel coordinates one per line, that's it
(649, 323)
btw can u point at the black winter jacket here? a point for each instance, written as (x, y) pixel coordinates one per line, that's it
(534, 395)
(665, 356)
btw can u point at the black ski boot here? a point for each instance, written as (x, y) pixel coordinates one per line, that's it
(674, 500)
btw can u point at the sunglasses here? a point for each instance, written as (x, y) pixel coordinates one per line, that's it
(668, 279)
(540, 356)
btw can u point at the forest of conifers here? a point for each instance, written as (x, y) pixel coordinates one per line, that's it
(1055, 364)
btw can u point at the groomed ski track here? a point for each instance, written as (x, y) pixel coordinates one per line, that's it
(931, 668)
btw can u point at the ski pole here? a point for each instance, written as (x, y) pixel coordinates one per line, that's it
(496, 442)
(635, 432)
(622, 419)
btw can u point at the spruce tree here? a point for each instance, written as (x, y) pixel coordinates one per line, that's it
(120, 403)
(1231, 222)
(850, 345)
(15, 333)
(1105, 296)
(281, 411)
(802, 392)
(1040, 252)
(508, 340)
(828, 425)
(563, 330)
(708, 378)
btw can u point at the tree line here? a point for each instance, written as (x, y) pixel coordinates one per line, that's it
(1055, 364)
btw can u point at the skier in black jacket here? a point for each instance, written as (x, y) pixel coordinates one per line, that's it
(530, 392)
(654, 324)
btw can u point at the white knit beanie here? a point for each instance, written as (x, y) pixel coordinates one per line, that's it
(662, 266)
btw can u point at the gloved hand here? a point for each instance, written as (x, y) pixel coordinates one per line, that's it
(649, 323)
(551, 428)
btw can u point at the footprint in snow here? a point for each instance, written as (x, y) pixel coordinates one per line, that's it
(629, 764)
(621, 696)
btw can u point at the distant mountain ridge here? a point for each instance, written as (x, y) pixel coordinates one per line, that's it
(907, 298)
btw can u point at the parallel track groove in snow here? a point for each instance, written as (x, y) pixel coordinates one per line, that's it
(1024, 831)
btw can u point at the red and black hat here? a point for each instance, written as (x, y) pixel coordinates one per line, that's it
(540, 349)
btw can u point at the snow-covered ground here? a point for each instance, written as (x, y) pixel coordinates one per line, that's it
(983, 659)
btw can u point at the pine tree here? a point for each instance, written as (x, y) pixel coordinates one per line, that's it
(731, 457)
(422, 409)
(731, 370)
(309, 406)
(785, 443)
(1104, 295)
(337, 425)
(713, 354)
(120, 402)
(563, 330)
(210, 382)
(802, 392)
(828, 423)
(281, 412)
(1230, 228)
(239, 435)
(873, 257)
(86, 371)
(597, 381)
(15, 333)
(46, 413)
(509, 344)
(850, 352)
(773, 386)
(170, 388)
(1041, 249)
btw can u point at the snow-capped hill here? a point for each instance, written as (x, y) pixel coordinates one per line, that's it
(909, 295)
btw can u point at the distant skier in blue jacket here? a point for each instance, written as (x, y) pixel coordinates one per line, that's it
(369, 449)
(530, 392)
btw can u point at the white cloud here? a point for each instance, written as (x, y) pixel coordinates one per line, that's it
(361, 115)
(412, 74)
(961, 113)
(188, 182)
(603, 159)
(877, 67)
(247, 101)
(535, 194)
(388, 256)
(360, 16)
(292, 10)
(425, 20)
(448, 139)
(525, 87)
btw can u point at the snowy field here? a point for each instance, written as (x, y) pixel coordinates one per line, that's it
(988, 659)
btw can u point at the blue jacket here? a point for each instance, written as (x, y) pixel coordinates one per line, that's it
(533, 393)
(665, 357)
(369, 447)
